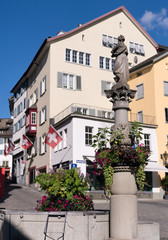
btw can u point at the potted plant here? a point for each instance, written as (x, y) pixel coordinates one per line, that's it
(66, 190)
(164, 183)
(111, 153)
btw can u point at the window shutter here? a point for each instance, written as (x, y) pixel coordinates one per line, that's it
(73, 109)
(78, 83)
(103, 87)
(36, 94)
(40, 118)
(99, 112)
(28, 103)
(35, 145)
(45, 112)
(165, 88)
(40, 88)
(140, 91)
(59, 79)
(92, 112)
(39, 145)
(45, 79)
(45, 143)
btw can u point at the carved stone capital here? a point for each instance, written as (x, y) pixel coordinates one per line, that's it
(120, 95)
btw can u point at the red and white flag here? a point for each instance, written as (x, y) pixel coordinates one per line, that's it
(8, 147)
(26, 143)
(52, 137)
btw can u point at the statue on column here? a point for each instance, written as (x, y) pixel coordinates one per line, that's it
(120, 70)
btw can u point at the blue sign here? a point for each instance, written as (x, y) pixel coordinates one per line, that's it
(73, 165)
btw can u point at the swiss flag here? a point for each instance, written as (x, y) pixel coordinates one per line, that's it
(26, 143)
(8, 147)
(52, 137)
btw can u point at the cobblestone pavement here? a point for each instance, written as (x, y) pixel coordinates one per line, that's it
(23, 198)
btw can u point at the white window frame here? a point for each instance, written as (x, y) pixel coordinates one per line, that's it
(105, 85)
(88, 135)
(147, 140)
(33, 118)
(68, 55)
(88, 59)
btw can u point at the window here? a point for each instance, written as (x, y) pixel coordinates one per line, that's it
(88, 59)
(140, 91)
(33, 118)
(140, 116)
(81, 55)
(35, 97)
(32, 175)
(68, 81)
(88, 135)
(109, 41)
(43, 115)
(147, 141)
(166, 114)
(137, 48)
(165, 88)
(105, 85)
(42, 144)
(101, 62)
(107, 63)
(74, 56)
(105, 40)
(68, 55)
(43, 86)
(78, 57)
(24, 103)
(5, 163)
(31, 101)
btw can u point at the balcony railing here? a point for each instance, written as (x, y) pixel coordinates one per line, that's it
(98, 112)
(84, 110)
(146, 119)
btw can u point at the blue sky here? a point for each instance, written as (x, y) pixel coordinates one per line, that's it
(24, 24)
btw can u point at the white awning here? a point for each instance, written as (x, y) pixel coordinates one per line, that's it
(155, 167)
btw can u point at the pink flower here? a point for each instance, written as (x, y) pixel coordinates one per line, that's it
(108, 151)
(131, 156)
(76, 196)
(59, 201)
(140, 150)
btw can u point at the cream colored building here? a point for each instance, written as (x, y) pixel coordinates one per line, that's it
(150, 79)
(75, 67)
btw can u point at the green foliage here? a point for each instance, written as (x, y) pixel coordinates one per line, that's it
(61, 186)
(118, 154)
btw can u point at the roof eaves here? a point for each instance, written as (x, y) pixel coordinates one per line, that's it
(141, 65)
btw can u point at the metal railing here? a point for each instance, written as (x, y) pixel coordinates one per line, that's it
(84, 110)
(146, 119)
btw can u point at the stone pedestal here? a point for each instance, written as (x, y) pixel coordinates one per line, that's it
(123, 206)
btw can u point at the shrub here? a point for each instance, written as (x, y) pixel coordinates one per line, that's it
(65, 191)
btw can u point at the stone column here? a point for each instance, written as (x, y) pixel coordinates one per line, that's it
(123, 202)
(123, 205)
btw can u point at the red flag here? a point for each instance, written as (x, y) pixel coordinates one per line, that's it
(8, 147)
(52, 137)
(26, 143)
